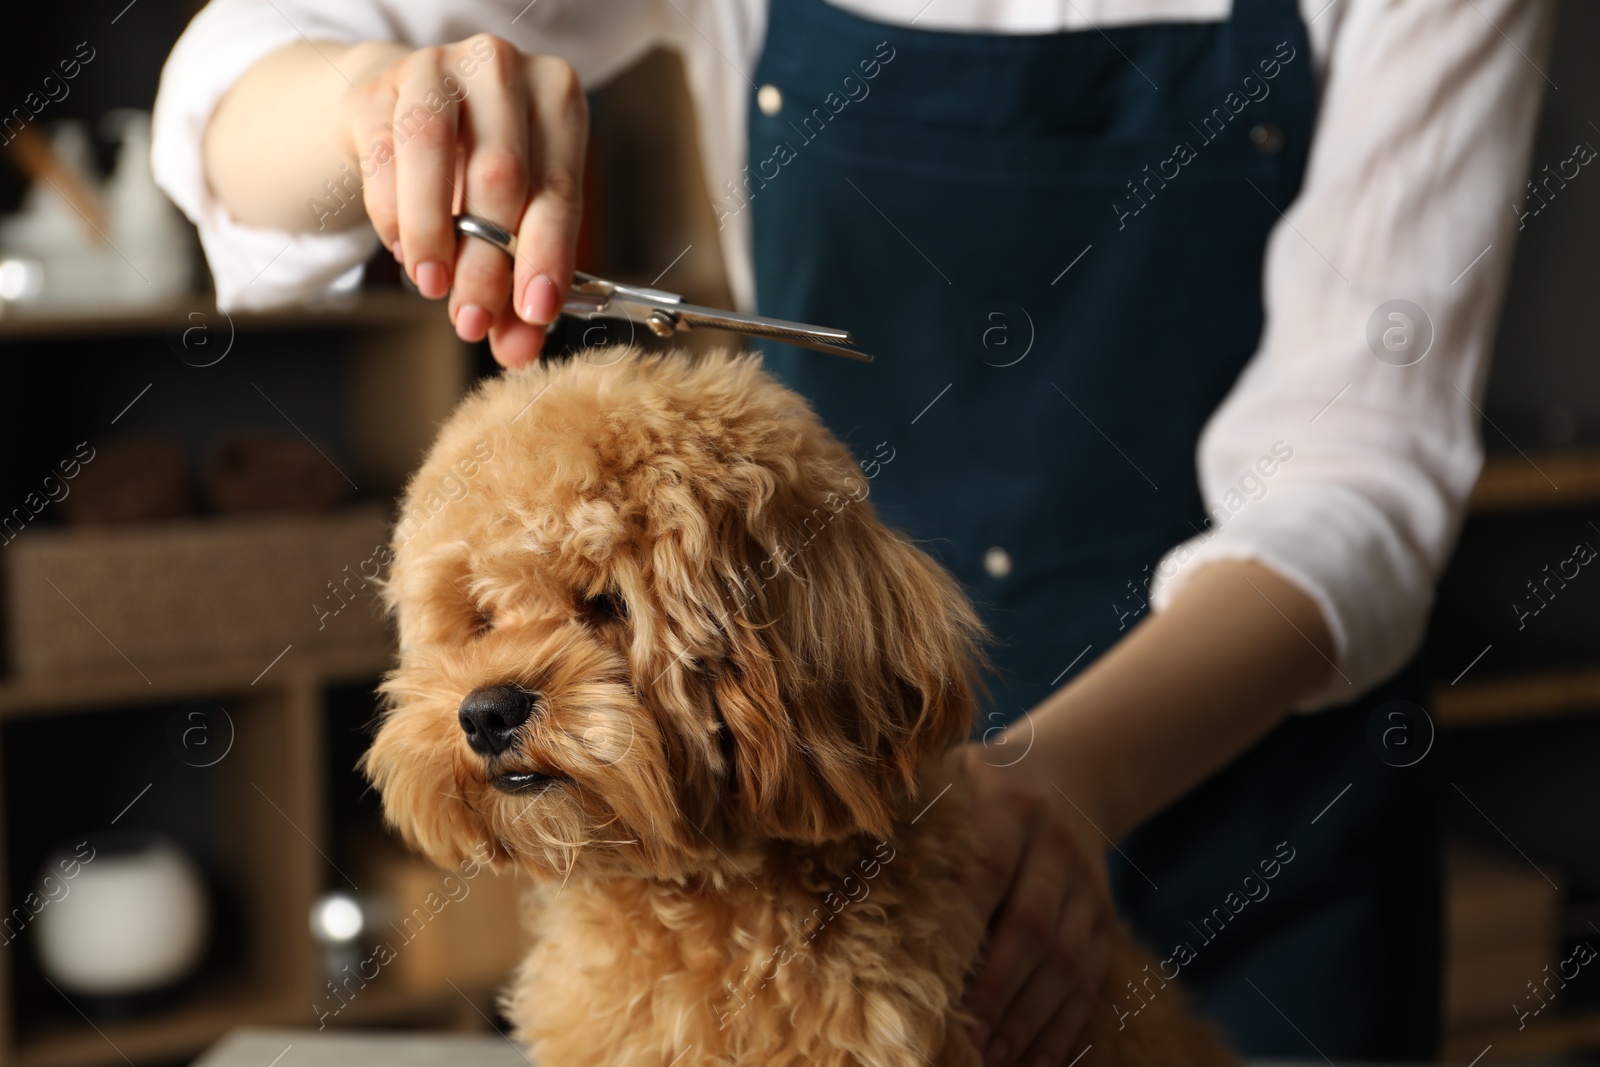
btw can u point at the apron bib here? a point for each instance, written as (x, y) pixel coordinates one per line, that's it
(1053, 245)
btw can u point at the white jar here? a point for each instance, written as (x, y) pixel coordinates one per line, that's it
(133, 918)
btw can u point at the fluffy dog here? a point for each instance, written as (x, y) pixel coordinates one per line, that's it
(657, 650)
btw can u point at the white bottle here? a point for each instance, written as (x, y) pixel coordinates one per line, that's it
(142, 223)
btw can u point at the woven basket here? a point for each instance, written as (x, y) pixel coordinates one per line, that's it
(176, 592)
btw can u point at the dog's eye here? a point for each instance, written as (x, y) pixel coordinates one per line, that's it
(482, 622)
(607, 607)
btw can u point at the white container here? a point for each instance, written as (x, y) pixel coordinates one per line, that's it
(133, 920)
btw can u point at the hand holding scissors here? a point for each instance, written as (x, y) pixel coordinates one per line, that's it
(666, 313)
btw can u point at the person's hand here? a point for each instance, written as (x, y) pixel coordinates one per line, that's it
(474, 126)
(1039, 881)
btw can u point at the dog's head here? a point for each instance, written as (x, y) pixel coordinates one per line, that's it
(646, 611)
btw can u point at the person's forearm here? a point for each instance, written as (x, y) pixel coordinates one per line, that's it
(1184, 693)
(275, 137)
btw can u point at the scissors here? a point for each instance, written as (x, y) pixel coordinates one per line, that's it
(666, 313)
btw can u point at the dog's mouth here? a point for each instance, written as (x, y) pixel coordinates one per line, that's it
(523, 781)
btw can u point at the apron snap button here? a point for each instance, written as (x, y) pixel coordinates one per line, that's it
(769, 99)
(1267, 138)
(997, 562)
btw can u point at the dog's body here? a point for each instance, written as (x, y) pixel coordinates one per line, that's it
(826, 955)
(833, 957)
(657, 650)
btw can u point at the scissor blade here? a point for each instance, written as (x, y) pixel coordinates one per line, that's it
(591, 296)
(799, 334)
(696, 315)
(800, 341)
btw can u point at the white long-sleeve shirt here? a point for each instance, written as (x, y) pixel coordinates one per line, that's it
(1422, 147)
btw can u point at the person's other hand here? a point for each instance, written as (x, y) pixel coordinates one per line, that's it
(474, 126)
(1039, 881)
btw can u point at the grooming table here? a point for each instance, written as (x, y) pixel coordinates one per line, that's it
(389, 1048)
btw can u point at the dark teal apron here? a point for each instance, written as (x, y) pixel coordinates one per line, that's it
(1053, 245)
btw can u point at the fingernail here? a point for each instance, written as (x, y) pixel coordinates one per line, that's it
(979, 1032)
(996, 1054)
(399, 257)
(539, 301)
(432, 281)
(472, 323)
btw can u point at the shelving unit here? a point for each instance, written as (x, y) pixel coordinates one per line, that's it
(398, 368)
(1537, 482)
(1522, 485)
(272, 799)
(1525, 697)
(405, 366)
(372, 309)
(402, 370)
(1538, 487)
(1549, 1038)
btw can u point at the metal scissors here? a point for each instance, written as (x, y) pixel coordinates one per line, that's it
(666, 313)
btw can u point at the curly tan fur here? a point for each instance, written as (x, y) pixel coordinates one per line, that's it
(747, 685)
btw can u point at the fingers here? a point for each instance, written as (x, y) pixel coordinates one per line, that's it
(1039, 999)
(496, 184)
(1086, 931)
(1084, 947)
(514, 343)
(425, 129)
(376, 110)
(512, 153)
(1027, 970)
(548, 235)
(1040, 887)
(1003, 824)
(1055, 1044)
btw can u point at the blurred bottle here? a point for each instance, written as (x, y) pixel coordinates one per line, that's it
(144, 224)
(138, 253)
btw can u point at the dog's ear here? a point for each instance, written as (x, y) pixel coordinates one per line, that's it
(851, 662)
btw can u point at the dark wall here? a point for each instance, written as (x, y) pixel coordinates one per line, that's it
(128, 54)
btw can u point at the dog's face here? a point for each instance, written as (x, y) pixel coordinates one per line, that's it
(648, 616)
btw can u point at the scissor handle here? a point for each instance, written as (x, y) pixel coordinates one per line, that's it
(665, 312)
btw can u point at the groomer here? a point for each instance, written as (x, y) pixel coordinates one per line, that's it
(1179, 307)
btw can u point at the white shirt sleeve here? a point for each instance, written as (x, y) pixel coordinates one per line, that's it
(256, 267)
(1421, 149)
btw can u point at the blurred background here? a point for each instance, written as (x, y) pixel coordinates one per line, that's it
(191, 507)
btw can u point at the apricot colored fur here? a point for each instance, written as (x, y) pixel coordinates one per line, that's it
(744, 857)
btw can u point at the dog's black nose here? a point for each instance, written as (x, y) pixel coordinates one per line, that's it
(490, 716)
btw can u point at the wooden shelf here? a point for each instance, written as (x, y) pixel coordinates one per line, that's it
(1542, 1039)
(1518, 698)
(363, 310)
(1541, 481)
(191, 680)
